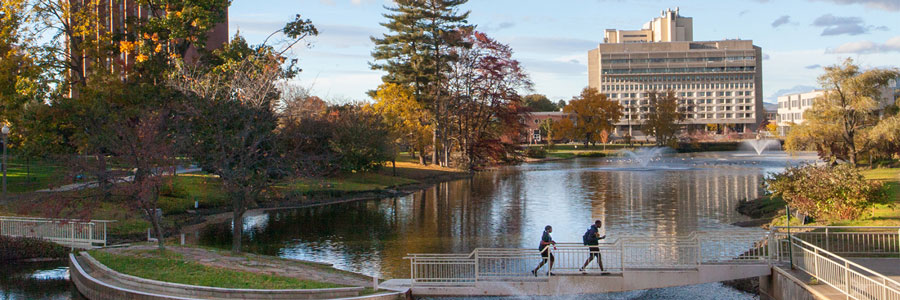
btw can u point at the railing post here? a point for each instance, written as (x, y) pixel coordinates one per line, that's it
(477, 269)
(104, 234)
(72, 236)
(412, 271)
(622, 254)
(816, 257)
(826, 240)
(847, 278)
(91, 234)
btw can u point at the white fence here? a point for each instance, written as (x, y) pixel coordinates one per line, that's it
(855, 281)
(846, 240)
(627, 253)
(72, 233)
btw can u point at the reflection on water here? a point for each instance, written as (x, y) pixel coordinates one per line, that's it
(509, 208)
(36, 281)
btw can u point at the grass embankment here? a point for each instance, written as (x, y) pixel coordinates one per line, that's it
(880, 215)
(172, 267)
(568, 151)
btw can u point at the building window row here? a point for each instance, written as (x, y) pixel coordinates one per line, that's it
(644, 87)
(678, 78)
(677, 60)
(679, 70)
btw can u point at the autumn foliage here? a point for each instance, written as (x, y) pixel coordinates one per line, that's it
(593, 117)
(832, 192)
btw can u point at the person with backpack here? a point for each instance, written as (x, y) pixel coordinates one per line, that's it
(592, 238)
(546, 240)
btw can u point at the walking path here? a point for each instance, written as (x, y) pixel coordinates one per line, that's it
(92, 184)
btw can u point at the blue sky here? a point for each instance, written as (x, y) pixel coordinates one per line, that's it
(551, 38)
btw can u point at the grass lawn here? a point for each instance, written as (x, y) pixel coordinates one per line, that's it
(27, 175)
(171, 267)
(355, 182)
(178, 195)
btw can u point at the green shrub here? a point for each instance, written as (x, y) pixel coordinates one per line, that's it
(831, 192)
(19, 248)
(535, 152)
(590, 154)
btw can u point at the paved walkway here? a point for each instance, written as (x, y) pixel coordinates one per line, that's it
(91, 184)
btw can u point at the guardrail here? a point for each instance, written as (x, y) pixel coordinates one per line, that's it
(620, 255)
(72, 233)
(854, 280)
(846, 240)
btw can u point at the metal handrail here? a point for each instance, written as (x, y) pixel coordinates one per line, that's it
(844, 274)
(844, 260)
(54, 220)
(73, 233)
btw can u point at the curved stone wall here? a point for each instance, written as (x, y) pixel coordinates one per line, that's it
(98, 282)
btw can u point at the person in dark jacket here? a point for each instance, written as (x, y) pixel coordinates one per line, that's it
(546, 240)
(592, 238)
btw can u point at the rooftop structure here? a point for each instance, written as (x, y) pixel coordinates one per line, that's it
(669, 27)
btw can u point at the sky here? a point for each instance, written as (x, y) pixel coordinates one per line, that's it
(552, 37)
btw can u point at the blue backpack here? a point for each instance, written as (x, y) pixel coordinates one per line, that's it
(589, 236)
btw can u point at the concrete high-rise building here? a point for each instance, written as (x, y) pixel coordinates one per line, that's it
(669, 27)
(717, 82)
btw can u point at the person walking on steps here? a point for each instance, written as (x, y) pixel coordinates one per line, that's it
(592, 238)
(546, 240)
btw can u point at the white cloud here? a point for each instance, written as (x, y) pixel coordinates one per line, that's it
(892, 5)
(866, 47)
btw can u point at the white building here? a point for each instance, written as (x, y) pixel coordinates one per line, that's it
(792, 106)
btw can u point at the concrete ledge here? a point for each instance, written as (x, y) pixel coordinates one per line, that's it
(784, 285)
(98, 282)
(573, 285)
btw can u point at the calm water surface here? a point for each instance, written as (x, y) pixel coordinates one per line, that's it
(36, 281)
(509, 207)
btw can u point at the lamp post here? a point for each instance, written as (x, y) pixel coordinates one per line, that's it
(5, 132)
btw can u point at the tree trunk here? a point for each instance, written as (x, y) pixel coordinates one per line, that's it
(157, 227)
(237, 221)
(434, 143)
(422, 157)
(103, 177)
(445, 145)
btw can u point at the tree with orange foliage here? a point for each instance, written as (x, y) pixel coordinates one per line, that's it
(591, 113)
(405, 116)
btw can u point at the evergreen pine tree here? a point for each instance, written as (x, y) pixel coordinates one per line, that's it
(413, 53)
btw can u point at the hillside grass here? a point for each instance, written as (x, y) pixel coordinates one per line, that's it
(171, 267)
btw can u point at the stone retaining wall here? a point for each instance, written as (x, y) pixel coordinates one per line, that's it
(783, 286)
(98, 282)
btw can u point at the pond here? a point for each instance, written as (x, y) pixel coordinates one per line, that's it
(509, 207)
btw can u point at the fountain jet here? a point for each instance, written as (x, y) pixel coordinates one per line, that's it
(760, 145)
(644, 156)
